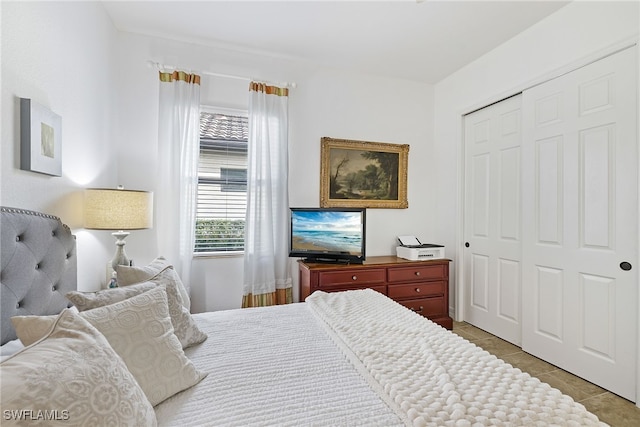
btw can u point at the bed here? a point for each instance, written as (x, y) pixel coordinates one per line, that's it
(340, 359)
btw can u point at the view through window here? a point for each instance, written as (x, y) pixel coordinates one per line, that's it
(222, 182)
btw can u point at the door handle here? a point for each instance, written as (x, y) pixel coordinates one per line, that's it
(466, 244)
(626, 266)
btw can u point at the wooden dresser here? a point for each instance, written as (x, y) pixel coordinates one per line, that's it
(422, 286)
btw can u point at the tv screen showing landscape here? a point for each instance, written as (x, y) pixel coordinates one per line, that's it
(327, 231)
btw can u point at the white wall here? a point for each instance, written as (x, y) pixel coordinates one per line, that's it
(68, 57)
(576, 31)
(61, 55)
(326, 102)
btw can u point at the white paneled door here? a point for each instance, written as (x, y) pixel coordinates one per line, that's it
(492, 267)
(580, 222)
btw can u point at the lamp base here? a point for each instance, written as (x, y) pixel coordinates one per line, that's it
(120, 257)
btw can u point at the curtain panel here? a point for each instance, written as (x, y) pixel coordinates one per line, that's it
(267, 277)
(178, 151)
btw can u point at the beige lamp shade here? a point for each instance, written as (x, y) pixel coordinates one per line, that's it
(117, 209)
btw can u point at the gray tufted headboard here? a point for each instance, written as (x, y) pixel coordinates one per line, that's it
(38, 266)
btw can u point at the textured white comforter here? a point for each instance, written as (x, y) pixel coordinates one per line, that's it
(354, 358)
(273, 366)
(431, 377)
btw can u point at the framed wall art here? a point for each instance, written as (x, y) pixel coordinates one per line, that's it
(363, 174)
(40, 139)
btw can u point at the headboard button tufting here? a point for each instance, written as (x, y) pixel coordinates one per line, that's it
(44, 267)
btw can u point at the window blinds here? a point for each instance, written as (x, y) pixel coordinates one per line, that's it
(222, 183)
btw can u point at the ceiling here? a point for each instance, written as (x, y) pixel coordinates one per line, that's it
(421, 41)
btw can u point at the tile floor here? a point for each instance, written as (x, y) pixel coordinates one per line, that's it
(610, 408)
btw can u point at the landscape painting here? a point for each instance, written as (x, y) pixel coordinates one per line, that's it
(363, 174)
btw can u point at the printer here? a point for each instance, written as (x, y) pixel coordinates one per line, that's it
(412, 249)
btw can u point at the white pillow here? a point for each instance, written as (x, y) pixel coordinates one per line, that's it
(88, 300)
(128, 275)
(184, 326)
(139, 329)
(32, 328)
(75, 376)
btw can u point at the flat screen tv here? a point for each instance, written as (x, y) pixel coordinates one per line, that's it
(328, 234)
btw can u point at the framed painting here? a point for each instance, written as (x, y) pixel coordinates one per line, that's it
(40, 139)
(363, 174)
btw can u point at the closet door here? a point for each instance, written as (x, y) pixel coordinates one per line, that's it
(580, 216)
(492, 224)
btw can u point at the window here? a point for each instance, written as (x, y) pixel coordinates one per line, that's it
(222, 181)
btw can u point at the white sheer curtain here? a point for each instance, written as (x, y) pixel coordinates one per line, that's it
(267, 278)
(178, 151)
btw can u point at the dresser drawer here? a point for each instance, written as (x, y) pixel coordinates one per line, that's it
(417, 290)
(428, 307)
(350, 277)
(420, 285)
(422, 272)
(378, 288)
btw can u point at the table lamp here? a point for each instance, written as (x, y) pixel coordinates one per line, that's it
(120, 210)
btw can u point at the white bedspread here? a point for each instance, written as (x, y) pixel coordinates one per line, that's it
(354, 359)
(272, 366)
(431, 377)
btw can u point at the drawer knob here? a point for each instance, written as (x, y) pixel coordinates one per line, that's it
(417, 310)
(418, 290)
(354, 277)
(417, 273)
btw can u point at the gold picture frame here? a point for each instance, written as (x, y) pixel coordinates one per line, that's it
(362, 174)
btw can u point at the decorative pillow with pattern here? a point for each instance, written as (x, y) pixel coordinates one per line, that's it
(184, 326)
(139, 329)
(74, 377)
(32, 328)
(88, 300)
(160, 266)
